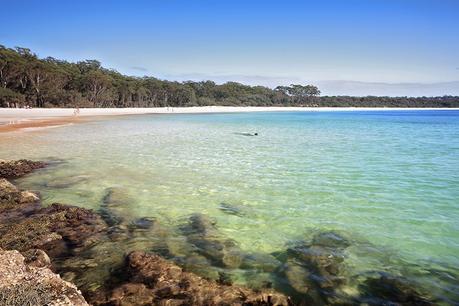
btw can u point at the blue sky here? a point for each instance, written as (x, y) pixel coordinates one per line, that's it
(252, 41)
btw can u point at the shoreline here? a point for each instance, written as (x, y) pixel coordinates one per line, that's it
(27, 125)
(13, 119)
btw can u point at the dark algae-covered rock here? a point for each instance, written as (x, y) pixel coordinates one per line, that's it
(143, 223)
(330, 240)
(386, 289)
(14, 202)
(323, 257)
(201, 232)
(312, 269)
(234, 209)
(260, 261)
(153, 280)
(56, 229)
(231, 209)
(17, 168)
(114, 206)
(200, 224)
(66, 181)
(314, 273)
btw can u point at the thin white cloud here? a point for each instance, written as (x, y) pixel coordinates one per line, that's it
(334, 87)
(138, 68)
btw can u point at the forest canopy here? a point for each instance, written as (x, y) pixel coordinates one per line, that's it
(27, 80)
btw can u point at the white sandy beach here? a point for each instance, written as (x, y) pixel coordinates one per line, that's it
(17, 115)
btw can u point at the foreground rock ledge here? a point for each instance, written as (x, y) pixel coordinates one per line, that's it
(27, 284)
(63, 230)
(152, 280)
(18, 168)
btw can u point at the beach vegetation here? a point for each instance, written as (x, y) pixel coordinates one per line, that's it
(29, 81)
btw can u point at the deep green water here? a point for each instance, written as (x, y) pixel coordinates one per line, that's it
(387, 180)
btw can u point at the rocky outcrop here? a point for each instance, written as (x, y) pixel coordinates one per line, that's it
(24, 283)
(81, 245)
(18, 168)
(90, 250)
(154, 280)
(15, 203)
(57, 229)
(11, 195)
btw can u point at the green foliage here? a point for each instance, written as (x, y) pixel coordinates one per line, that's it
(9, 98)
(299, 91)
(26, 79)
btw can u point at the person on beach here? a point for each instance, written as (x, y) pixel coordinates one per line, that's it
(76, 111)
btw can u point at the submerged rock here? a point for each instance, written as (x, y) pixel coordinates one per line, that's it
(128, 294)
(386, 289)
(313, 269)
(201, 266)
(179, 246)
(18, 168)
(78, 226)
(93, 269)
(330, 240)
(202, 225)
(201, 232)
(66, 181)
(154, 280)
(257, 280)
(298, 277)
(27, 284)
(115, 206)
(143, 223)
(323, 257)
(232, 209)
(261, 262)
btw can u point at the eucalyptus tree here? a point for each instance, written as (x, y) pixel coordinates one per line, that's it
(26, 79)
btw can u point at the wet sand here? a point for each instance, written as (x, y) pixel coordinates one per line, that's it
(29, 125)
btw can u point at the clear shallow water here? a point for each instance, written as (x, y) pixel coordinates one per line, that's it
(387, 179)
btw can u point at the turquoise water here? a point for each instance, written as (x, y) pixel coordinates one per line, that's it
(389, 180)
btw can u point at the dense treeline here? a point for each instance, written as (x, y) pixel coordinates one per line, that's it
(26, 80)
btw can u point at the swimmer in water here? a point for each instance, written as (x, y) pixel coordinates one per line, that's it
(247, 134)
